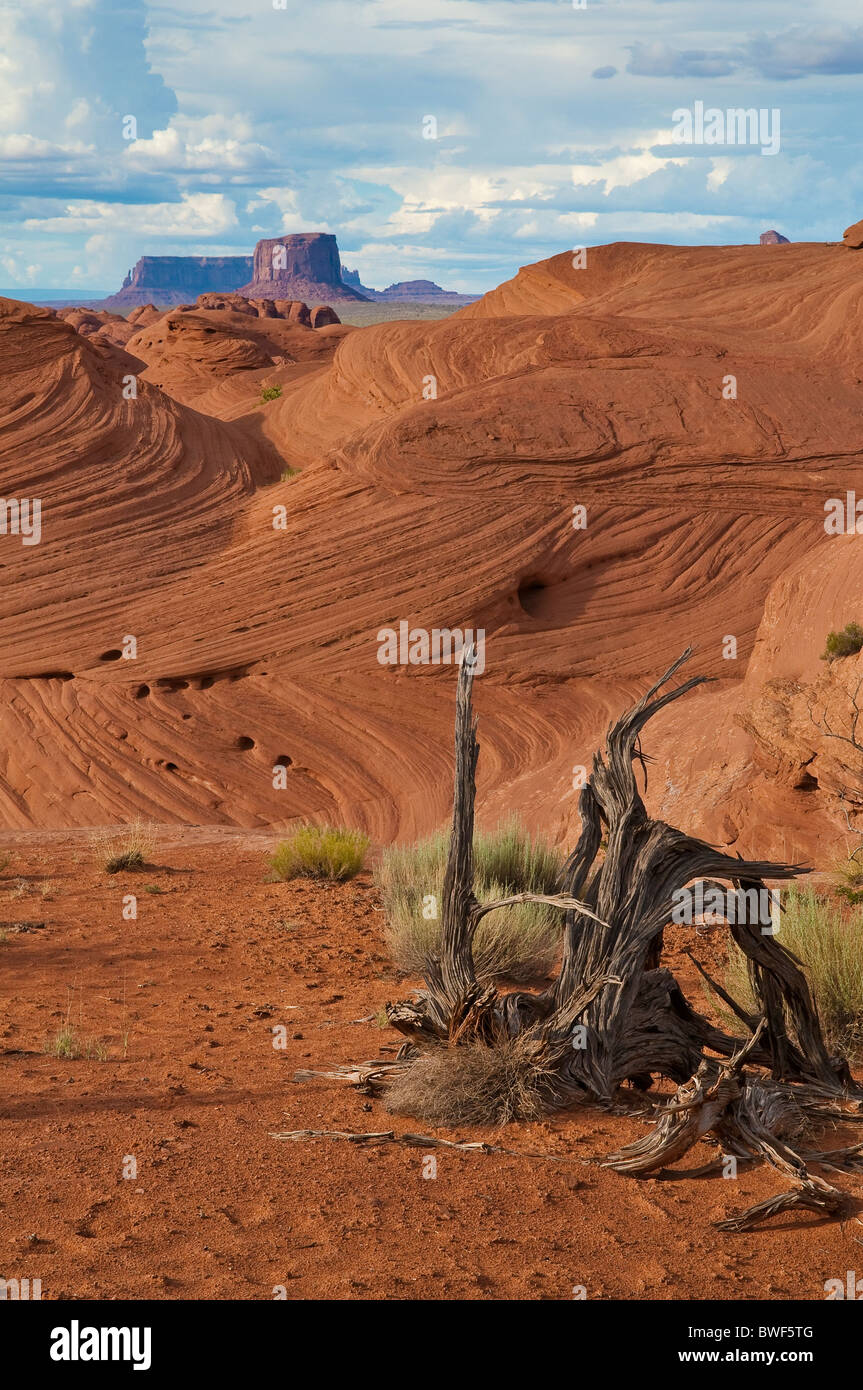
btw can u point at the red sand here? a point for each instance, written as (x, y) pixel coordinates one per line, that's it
(192, 1087)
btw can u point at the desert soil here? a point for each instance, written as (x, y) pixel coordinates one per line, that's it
(179, 1008)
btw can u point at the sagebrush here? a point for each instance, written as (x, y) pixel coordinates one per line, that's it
(320, 851)
(827, 939)
(519, 943)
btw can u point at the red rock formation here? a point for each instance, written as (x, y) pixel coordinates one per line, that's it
(323, 316)
(171, 279)
(295, 310)
(773, 238)
(236, 303)
(304, 266)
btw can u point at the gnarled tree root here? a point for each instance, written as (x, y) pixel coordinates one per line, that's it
(614, 1014)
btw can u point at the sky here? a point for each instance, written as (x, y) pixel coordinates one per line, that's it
(553, 126)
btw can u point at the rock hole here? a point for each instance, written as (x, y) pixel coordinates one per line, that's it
(530, 592)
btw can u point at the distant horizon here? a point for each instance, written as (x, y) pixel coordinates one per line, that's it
(450, 140)
(37, 293)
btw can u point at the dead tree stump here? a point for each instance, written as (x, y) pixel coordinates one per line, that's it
(614, 1014)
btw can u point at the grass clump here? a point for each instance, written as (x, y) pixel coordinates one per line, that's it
(291, 473)
(518, 943)
(844, 643)
(320, 851)
(270, 393)
(130, 848)
(827, 939)
(848, 880)
(475, 1085)
(68, 1045)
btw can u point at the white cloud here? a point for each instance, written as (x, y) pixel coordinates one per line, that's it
(196, 215)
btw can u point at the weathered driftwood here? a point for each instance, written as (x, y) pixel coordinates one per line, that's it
(614, 1014)
(420, 1141)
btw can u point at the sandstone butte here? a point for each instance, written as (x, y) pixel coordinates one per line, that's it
(599, 387)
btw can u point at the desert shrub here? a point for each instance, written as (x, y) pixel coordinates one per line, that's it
(827, 939)
(290, 473)
(519, 943)
(844, 643)
(270, 393)
(848, 880)
(475, 1085)
(4, 861)
(129, 848)
(320, 851)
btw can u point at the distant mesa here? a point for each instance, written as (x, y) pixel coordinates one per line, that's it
(172, 280)
(773, 239)
(305, 266)
(352, 278)
(413, 291)
(301, 269)
(854, 236)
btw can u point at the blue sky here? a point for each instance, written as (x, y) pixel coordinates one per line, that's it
(553, 130)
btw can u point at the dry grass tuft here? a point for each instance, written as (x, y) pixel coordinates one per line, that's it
(129, 848)
(518, 943)
(68, 1046)
(476, 1085)
(828, 941)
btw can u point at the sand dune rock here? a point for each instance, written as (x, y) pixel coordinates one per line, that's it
(185, 352)
(132, 492)
(144, 315)
(853, 236)
(441, 466)
(106, 327)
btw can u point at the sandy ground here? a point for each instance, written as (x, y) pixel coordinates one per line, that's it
(179, 1006)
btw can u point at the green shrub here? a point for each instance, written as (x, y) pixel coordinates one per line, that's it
(519, 943)
(320, 851)
(844, 643)
(270, 393)
(828, 941)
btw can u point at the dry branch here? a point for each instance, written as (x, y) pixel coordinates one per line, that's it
(419, 1141)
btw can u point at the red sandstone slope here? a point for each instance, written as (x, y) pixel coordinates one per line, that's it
(600, 388)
